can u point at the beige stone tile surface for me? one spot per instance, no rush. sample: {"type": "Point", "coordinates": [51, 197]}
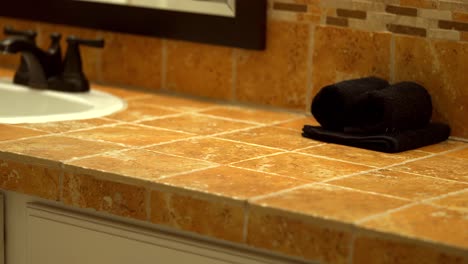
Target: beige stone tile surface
{"type": "Point", "coordinates": [458, 201]}
{"type": "Point", "coordinates": [444, 167]}
{"type": "Point", "coordinates": [362, 156]}
{"type": "Point", "coordinates": [232, 182]}
{"type": "Point", "coordinates": [380, 251]}
{"type": "Point", "coordinates": [85, 191]}
{"type": "Point", "coordinates": [213, 149]}
{"type": "Point", "coordinates": [425, 222]}
{"type": "Point", "coordinates": [9, 132]}
{"type": "Point", "coordinates": [32, 179]}
{"type": "Point", "coordinates": [57, 148]}
{"type": "Point", "coordinates": [130, 135]}
{"type": "Point", "coordinates": [463, 153]}
{"type": "Point", "coordinates": [140, 164]}
{"type": "Point", "coordinates": [216, 219]}
{"type": "Point", "coordinates": [302, 166]}
{"type": "Point", "coordinates": [331, 202]}
{"type": "Point", "coordinates": [66, 126]}
{"type": "Point", "coordinates": [199, 69]}
{"type": "Point", "coordinates": [443, 146]}
{"type": "Point", "coordinates": [137, 111]}
{"type": "Point", "coordinates": [298, 124]}
{"type": "Point", "coordinates": [256, 115]}
{"type": "Point", "coordinates": [284, 82]}
{"type": "Point", "coordinates": [197, 124]}
{"type": "Point", "coordinates": [298, 238]}
{"type": "Point", "coordinates": [400, 184]}
{"type": "Point", "coordinates": [177, 103]}
{"type": "Point", "coordinates": [272, 136]}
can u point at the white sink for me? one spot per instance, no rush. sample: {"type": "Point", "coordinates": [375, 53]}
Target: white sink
{"type": "Point", "coordinates": [19, 104]}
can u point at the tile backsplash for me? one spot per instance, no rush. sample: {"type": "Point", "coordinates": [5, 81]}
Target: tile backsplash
{"type": "Point", "coordinates": [310, 43]}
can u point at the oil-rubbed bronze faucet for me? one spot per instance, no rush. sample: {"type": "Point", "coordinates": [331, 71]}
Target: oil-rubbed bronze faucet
{"type": "Point", "coordinates": [45, 69]}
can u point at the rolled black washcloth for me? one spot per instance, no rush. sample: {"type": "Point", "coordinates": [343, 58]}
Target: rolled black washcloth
{"type": "Point", "coordinates": [332, 104]}
{"type": "Point", "coordinates": [399, 107]}
{"type": "Point", "coordinates": [386, 142]}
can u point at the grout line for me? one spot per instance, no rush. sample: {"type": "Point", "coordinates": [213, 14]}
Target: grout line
{"type": "Point", "coordinates": [214, 165]}
{"type": "Point", "coordinates": [459, 139]}
{"type": "Point", "coordinates": [310, 73]}
{"type": "Point", "coordinates": [245, 143]}
{"type": "Point", "coordinates": [245, 229]}
{"type": "Point", "coordinates": [388, 212]}
{"type": "Point", "coordinates": [429, 200]}
{"type": "Point", "coordinates": [68, 161]}
{"type": "Point", "coordinates": [364, 191]}
{"type": "Point", "coordinates": [227, 119]}
{"type": "Point", "coordinates": [331, 158]}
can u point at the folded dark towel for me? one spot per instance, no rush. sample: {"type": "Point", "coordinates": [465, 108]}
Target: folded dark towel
{"type": "Point", "coordinates": [332, 105]}
{"type": "Point", "coordinates": [402, 106]}
{"type": "Point", "coordinates": [385, 142]}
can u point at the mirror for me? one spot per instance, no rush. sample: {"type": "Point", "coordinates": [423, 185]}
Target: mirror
{"type": "Point", "coordinates": [235, 23]}
{"type": "Point", "coordinates": [211, 7]}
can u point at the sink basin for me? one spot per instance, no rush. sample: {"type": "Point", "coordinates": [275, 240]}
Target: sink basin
{"type": "Point", "coordinates": [19, 104]}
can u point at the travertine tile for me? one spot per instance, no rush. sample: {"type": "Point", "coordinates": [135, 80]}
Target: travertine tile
{"type": "Point", "coordinates": [298, 124]}
{"type": "Point", "coordinates": [84, 191]}
{"type": "Point", "coordinates": [444, 167]}
{"type": "Point", "coordinates": [400, 184]}
{"type": "Point", "coordinates": [250, 114]}
{"type": "Point", "coordinates": [443, 146]}
{"type": "Point", "coordinates": [130, 135]}
{"type": "Point", "coordinates": [437, 65]}
{"type": "Point", "coordinates": [213, 149]}
{"type": "Point", "coordinates": [457, 201]}
{"type": "Point", "coordinates": [284, 81]}
{"type": "Point", "coordinates": [8, 132]}
{"type": "Point", "coordinates": [363, 156]}
{"type": "Point", "coordinates": [425, 222]}
{"type": "Point", "coordinates": [197, 124]}
{"type": "Point", "coordinates": [302, 166]}
{"type": "Point", "coordinates": [199, 69]}
{"type": "Point", "coordinates": [66, 126]}
{"type": "Point", "coordinates": [216, 219]}
{"type": "Point", "coordinates": [331, 202]}
{"type": "Point", "coordinates": [176, 103]}
{"type": "Point", "coordinates": [381, 251]}
{"type": "Point", "coordinates": [232, 182]}
{"type": "Point", "coordinates": [345, 54]}
{"type": "Point", "coordinates": [299, 238]}
{"type": "Point", "coordinates": [138, 111]}
{"type": "Point", "coordinates": [132, 60]}
{"type": "Point", "coordinates": [139, 164]}
{"type": "Point", "coordinates": [463, 153]}
{"type": "Point", "coordinates": [272, 136]}
{"type": "Point", "coordinates": [32, 179]}
{"type": "Point", "coordinates": [57, 148]}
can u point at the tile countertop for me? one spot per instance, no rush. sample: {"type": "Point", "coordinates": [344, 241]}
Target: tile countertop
{"type": "Point", "coordinates": [246, 175]}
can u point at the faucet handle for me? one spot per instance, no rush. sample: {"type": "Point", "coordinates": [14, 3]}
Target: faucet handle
{"type": "Point", "coordinates": [29, 34]}
{"type": "Point", "coordinates": [97, 43]}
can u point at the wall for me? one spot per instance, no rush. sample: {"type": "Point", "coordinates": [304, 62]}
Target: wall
{"type": "Point", "coordinates": [311, 43]}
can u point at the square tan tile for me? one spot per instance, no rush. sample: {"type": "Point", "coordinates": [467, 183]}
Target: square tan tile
{"type": "Point", "coordinates": [9, 132]}
{"type": "Point", "coordinates": [213, 149]}
{"type": "Point", "coordinates": [250, 114]}
{"type": "Point", "coordinates": [197, 124]}
{"type": "Point", "coordinates": [443, 146]}
{"type": "Point", "coordinates": [115, 198]}
{"type": "Point", "coordinates": [130, 135]}
{"type": "Point", "coordinates": [272, 136]}
{"type": "Point", "coordinates": [302, 166]}
{"type": "Point", "coordinates": [66, 126]}
{"type": "Point", "coordinates": [362, 156]}
{"type": "Point", "coordinates": [296, 237]}
{"type": "Point", "coordinates": [32, 179]}
{"type": "Point", "coordinates": [331, 202]}
{"type": "Point", "coordinates": [199, 69]}
{"type": "Point", "coordinates": [444, 167]}
{"type": "Point", "coordinates": [298, 124]}
{"type": "Point", "coordinates": [139, 111]}
{"type": "Point", "coordinates": [139, 164]}
{"type": "Point", "coordinates": [232, 182]}
{"type": "Point", "coordinates": [458, 201]}
{"type": "Point", "coordinates": [216, 219]}
{"type": "Point", "coordinates": [425, 222]}
{"type": "Point", "coordinates": [382, 251]}
{"type": "Point", "coordinates": [176, 103]}
{"type": "Point", "coordinates": [463, 153]}
{"type": "Point", "coordinates": [400, 184]}
{"type": "Point", "coordinates": [57, 148]}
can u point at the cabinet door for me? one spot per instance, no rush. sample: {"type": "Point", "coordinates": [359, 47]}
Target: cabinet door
{"type": "Point", "coordinates": [58, 236]}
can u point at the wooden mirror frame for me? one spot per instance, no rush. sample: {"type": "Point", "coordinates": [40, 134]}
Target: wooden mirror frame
{"type": "Point", "coordinates": [246, 30]}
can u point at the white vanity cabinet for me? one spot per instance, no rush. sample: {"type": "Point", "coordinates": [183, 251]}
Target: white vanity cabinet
{"type": "Point", "coordinates": [38, 233]}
